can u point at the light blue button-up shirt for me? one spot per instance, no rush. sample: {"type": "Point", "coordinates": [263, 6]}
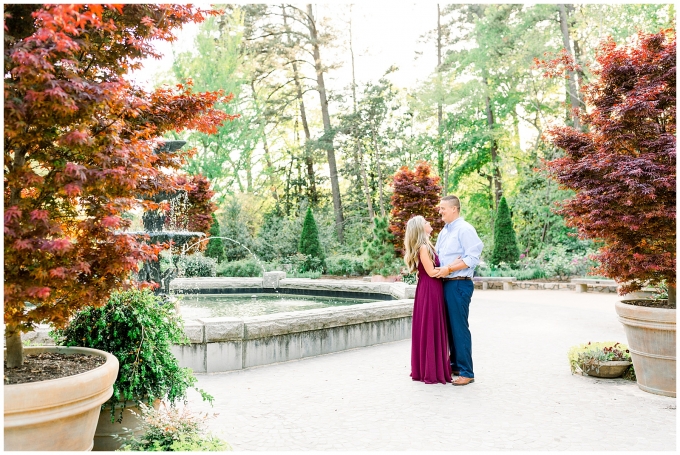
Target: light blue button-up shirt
{"type": "Point", "coordinates": [459, 239]}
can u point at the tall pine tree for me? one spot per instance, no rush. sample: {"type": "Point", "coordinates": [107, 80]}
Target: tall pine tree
{"type": "Point", "coordinates": [309, 238]}
{"type": "Point", "coordinates": [505, 243]}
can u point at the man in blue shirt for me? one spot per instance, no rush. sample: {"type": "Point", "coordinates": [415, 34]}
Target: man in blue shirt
{"type": "Point", "coordinates": [459, 248]}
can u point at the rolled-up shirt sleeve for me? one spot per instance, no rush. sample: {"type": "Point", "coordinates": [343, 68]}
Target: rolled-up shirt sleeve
{"type": "Point", "coordinates": [472, 246]}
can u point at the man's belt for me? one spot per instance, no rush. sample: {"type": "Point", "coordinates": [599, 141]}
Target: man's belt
{"type": "Point", "coordinates": [455, 278]}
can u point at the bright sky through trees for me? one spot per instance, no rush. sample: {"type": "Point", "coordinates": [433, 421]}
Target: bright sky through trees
{"type": "Point", "coordinates": [384, 34]}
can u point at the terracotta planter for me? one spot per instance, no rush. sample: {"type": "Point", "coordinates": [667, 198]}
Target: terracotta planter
{"type": "Point", "coordinates": [59, 414]}
{"type": "Point", "coordinates": [611, 369]}
{"type": "Point", "coordinates": [105, 436]}
{"type": "Point", "coordinates": [651, 341]}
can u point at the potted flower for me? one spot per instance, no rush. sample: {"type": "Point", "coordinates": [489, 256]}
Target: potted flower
{"type": "Point", "coordinates": [623, 170]}
{"type": "Point", "coordinates": [173, 430]}
{"type": "Point", "coordinates": [601, 360]}
{"type": "Point", "coordinates": [140, 329]}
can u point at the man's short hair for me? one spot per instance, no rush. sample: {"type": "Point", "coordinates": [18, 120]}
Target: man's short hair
{"type": "Point", "coordinates": [453, 200]}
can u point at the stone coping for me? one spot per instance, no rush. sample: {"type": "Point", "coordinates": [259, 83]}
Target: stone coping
{"type": "Point", "coordinates": [594, 281]}
{"type": "Point", "coordinates": [210, 330]}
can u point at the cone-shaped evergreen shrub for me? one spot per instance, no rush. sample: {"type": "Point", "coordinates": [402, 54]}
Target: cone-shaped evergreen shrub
{"type": "Point", "coordinates": [505, 243]}
{"type": "Point", "coordinates": [309, 238]}
{"type": "Point", "coordinates": [380, 255]}
{"type": "Point", "coordinates": [215, 247]}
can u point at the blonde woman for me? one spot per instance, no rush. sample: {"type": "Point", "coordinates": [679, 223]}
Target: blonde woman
{"type": "Point", "coordinates": [429, 342]}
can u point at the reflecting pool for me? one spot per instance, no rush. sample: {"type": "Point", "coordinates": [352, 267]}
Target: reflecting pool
{"type": "Point", "coordinates": [194, 306]}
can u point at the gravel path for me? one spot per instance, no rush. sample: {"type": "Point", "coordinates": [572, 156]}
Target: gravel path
{"type": "Point", "coordinates": [523, 398]}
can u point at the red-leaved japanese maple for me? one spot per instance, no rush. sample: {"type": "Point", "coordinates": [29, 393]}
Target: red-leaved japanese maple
{"type": "Point", "coordinates": [415, 193]}
{"type": "Point", "coordinates": [623, 166]}
{"type": "Point", "coordinates": [79, 152]}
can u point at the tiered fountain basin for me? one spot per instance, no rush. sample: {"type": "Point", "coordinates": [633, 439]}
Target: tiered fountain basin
{"type": "Point", "coordinates": [234, 343]}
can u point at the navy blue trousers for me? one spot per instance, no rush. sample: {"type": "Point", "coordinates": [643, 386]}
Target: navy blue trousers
{"type": "Point", "coordinates": [458, 294]}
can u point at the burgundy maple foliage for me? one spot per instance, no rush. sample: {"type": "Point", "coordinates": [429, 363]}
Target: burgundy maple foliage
{"type": "Point", "coordinates": [79, 151]}
{"type": "Point", "coordinates": [416, 192]}
{"type": "Point", "coordinates": [623, 166]}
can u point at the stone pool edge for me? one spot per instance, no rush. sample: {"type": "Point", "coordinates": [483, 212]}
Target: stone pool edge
{"type": "Point", "coordinates": [228, 344]}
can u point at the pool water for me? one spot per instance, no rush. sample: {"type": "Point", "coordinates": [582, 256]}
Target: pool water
{"type": "Point", "coordinates": [243, 305]}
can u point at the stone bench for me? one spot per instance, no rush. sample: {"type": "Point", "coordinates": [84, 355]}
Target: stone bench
{"type": "Point", "coordinates": [485, 280]}
{"type": "Point", "coordinates": [582, 283]}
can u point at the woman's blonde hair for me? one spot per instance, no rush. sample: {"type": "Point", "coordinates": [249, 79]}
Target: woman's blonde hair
{"type": "Point", "coordinates": [416, 237]}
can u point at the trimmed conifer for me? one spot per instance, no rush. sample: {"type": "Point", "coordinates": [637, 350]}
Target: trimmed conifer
{"type": "Point", "coordinates": [215, 247]}
{"type": "Point", "coordinates": [505, 243]}
{"type": "Point", "coordinates": [309, 244]}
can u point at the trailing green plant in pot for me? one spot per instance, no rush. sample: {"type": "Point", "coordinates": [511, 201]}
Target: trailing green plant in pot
{"type": "Point", "coordinates": [607, 359]}
{"type": "Point", "coordinates": [140, 329]}
{"type": "Point", "coordinates": [623, 170]}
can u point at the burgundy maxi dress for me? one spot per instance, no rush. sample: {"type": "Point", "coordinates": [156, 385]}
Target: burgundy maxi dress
{"type": "Point", "coordinates": [429, 341]}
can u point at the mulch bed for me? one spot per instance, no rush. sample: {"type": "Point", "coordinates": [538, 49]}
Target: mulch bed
{"type": "Point", "coordinates": [650, 303]}
{"type": "Point", "coordinates": [51, 365]}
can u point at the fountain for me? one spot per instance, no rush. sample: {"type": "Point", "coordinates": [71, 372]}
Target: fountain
{"type": "Point", "coordinates": [154, 224]}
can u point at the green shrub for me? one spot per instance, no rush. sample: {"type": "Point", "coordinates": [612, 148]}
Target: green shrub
{"type": "Point", "coordinates": [410, 278]}
{"type": "Point", "coordinates": [173, 430]}
{"type": "Point", "coordinates": [197, 265]}
{"type": "Point", "coordinates": [310, 274]}
{"type": "Point", "coordinates": [140, 329]}
{"type": "Point", "coordinates": [582, 355]}
{"type": "Point", "coordinates": [505, 242]}
{"type": "Point", "coordinates": [242, 268]}
{"type": "Point", "coordinates": [345, 265]}
{"type": "Point", "coordinates": [299, 263]}
{"type": "Point", "coordinates": [215, 248]}
{"type": "Point", "coordinates": [379, 252]}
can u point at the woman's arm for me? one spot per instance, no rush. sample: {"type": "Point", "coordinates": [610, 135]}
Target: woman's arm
{"type": "Point", "coordinates": [430, 269]}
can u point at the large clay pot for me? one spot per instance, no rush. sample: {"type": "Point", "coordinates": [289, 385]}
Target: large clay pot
{"type": "Point", "coordinates": [59, 414]}
{"type": "Point", "coordinates": [107, 431]}
{"type": "Point", "coordinates": [651, 341]}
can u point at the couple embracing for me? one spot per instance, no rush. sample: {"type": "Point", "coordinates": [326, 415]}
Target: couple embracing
{"type": "Point", "coordinates": [441, 344]}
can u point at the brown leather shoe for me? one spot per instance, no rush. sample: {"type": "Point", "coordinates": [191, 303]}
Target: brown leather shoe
{"type": "Point", "coordinates": [462, 380]}
{"type": "Point", "coordinates": [455, 373]}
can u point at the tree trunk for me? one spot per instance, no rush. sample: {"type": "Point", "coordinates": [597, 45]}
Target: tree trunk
{"type": "Point", "coordinates": [309, 159]}
{"type": "Point", "coordinates": [572, 91]}
{"type": "Point", "coordinates": [335, 185]}
{"type": "Point", "coordinates": [671, 295]}
{"type": "Point", "coordinates": [379, 168]}
{"type": "Point", "coordinates": [15, 349]}
{"type": "Point", "coordinates": [359, 156]}
{"type": "Point", "coordinates": [440, 148]}
{"type": "Point", "coordinates": [269, 169]}
{"type": "Point", "coordinates": [287, 203]}
{"type": "Point", "coordinates": [498, 190]}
